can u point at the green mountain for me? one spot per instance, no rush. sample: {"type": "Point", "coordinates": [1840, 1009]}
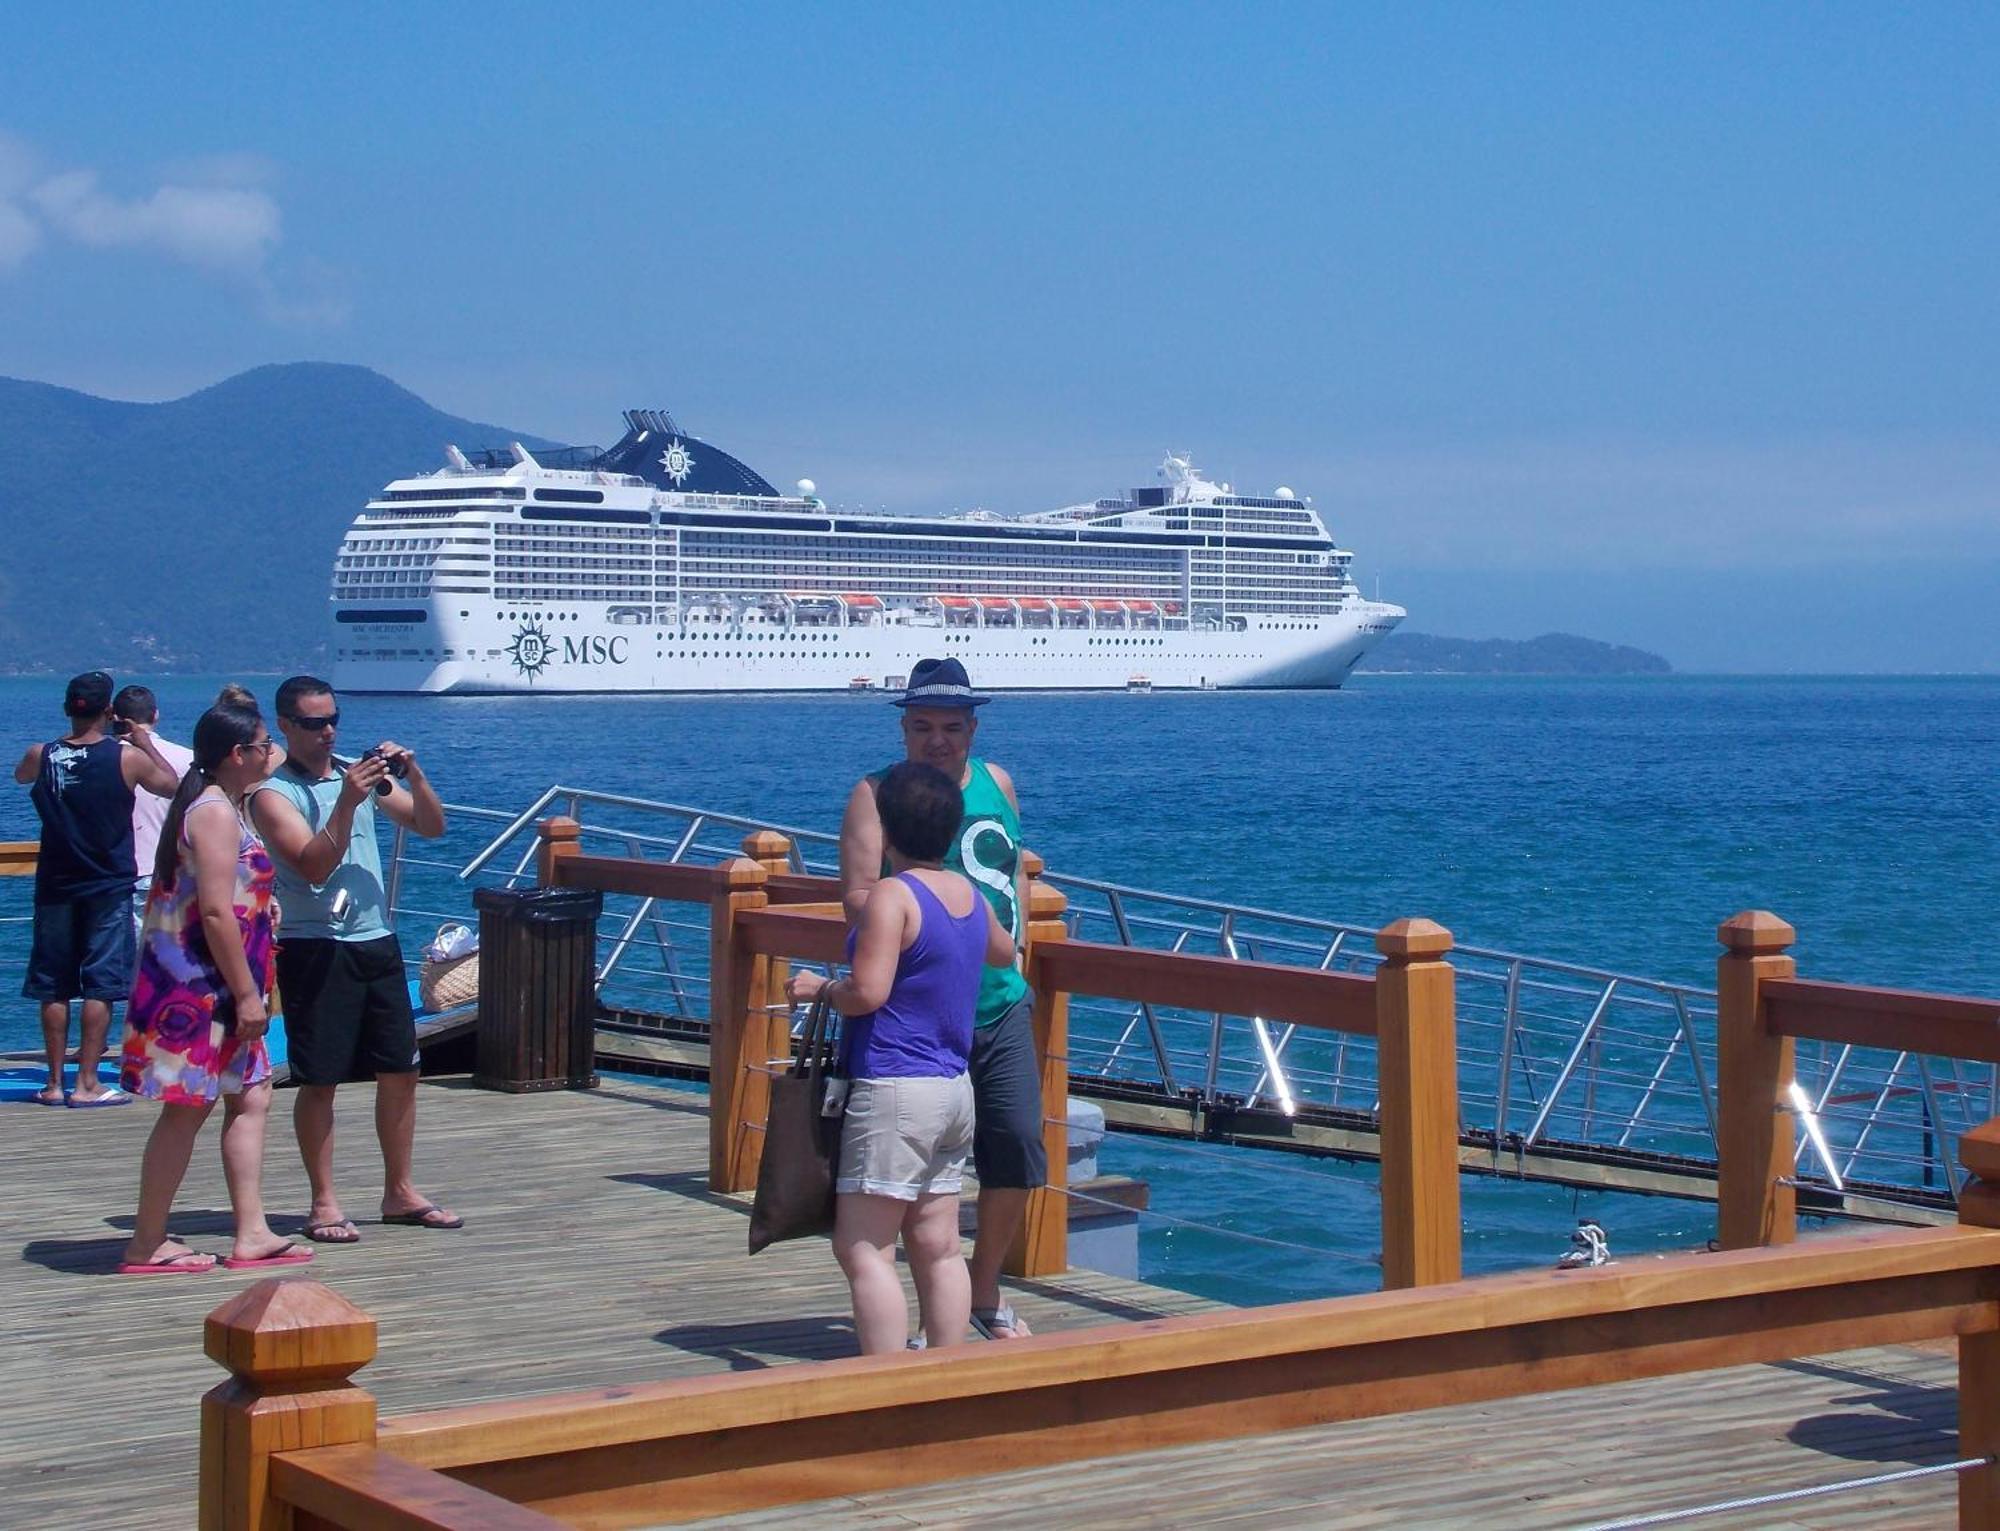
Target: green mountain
{"type": "Point", "coordinates": [1550, 654]}
{"type": "Point", "coordinates": [197, 534]}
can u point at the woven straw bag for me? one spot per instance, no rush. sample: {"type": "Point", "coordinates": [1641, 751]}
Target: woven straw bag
{"type": "Point", "coordinates": [450, 983]}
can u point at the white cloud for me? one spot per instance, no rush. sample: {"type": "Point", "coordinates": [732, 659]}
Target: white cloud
{"type": "Point", "coordinates": [224, 228]}
{"type": "Point", "coordinates": [19, 234]}
{"type": "Point", "coordinates": [214, 214]}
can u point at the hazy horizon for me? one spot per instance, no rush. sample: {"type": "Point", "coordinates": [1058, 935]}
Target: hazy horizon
{"type": "Point", "coordinates": [1671, 328]}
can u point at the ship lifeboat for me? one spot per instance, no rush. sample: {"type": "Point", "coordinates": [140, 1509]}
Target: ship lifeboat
{"type": "Point", "coordinates": [1138, 685]}
{"type": "Point", "coordinates": [861, 684]}
{"type": "Point", "coordinates": [1036, 611]}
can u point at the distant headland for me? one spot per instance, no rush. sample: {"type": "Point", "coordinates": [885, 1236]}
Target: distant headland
{"type": "Point", "coordinates": [1550, 654]}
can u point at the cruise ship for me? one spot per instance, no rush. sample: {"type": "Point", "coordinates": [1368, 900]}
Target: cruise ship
{"type": "Point", "coordinates": [665, 564]}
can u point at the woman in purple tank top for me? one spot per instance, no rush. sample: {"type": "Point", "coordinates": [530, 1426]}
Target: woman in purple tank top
{"type": "Point", "coordinates": [916, 955]}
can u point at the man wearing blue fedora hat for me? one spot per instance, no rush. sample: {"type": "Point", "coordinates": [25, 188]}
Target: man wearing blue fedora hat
{"type": "Point", "coordinates": [940, 718]}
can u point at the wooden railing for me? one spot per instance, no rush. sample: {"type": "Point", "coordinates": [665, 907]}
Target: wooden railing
{"type": "Point", "coordinates": [289, 1432]}
{"type": "Point", "coordinates": [1762, 1008]}
{"type": "Point", "coordinates": [290, 1440]}
{"type": "Point", "coordinates": [17, 857]}
{"type": "Point", "coordinates": [763, 917]}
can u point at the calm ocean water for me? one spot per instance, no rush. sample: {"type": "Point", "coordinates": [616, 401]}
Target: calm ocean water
{"type": "Point", "coordinates": [1611, 822]}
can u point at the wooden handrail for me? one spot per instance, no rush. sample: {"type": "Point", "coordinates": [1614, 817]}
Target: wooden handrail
{"type": "Point", "coordinates": [1962, 1261]}
{"type": "Point", "coordinates": [363, 1486]}
{"type": "Point", "coordinates": [648, 1453]}
{"type": "Point", "coordinates": [1304, 996]}
{"type": "Point", "coordinates": [1903, 1020]}
{"type": "Point", "coordinates": [673, 881]}
{"type": "Point", "coordinates": [1407, 1005]}
{"type": "Point", "coordinates": [1762, 1006]}
{"type": "Point", "coordinates": [803, 888]}
{"type": "Point", "coordinates": [18, 857]}
{"type": "Point", "coordinates": [805, 933]}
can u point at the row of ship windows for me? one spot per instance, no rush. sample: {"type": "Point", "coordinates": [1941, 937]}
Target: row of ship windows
{"type": "Point", "coordinates": [398, 544]}
{"type": "Point", "coordinates": [565, 545]}
{"type": "Point", "coordinates": [714, 653]}
{"type": "Point", "coordinates": [1275, 600]}
{"type": "Point", "coordinates": [850, 570]}
{"type": "Point", "coordinates": [568, 534]}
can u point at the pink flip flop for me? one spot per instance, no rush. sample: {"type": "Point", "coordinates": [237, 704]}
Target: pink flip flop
{"type": "Point", "coordinates": [188, 1262]}
{"type": "Point", "coordinates": [291, 1254]}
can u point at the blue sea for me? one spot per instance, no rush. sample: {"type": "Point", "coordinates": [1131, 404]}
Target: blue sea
{"type": "Point", "coordinates": [1612, 822]}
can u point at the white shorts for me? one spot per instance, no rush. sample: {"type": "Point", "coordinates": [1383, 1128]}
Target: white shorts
{"type": "Point", "coordinates": [905, 1138]}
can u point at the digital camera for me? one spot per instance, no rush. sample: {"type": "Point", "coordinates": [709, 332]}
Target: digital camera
{"type": "Point", "coordinates": [399, 765]}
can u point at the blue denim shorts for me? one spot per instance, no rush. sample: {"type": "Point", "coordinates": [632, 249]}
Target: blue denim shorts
{"type": "Point", "coordinates": [82, 949]}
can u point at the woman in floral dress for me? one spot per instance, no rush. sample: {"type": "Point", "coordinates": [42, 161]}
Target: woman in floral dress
{"type": "Point", "coordinates": [195, 1026]}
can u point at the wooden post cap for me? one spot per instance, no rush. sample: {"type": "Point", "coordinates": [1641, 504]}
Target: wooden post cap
{"type": "Point", "coordinates": [1046, 903]}
{"type": "Point", "coordinates": [1032, 864]}
{"type": "Point", "coordinates": [289, 1331]}
{"type": "Point", "coordinates": [561, 827]}
{"type": "Point", "coordinates": [766, 845]}
{"type": "Point", "coordinates": [1413, 938]}
{"type": "Point", "coordinates": [1979, 1151]}
{"type": "Point", "coordinates": [1755, 932]}
{"type": "Point", "coordinates": [743, 874]}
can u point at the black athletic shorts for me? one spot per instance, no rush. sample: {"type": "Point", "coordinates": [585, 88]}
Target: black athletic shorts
{"type": "Point", "coordinates": [1007, 1149]}
{"type": "Point", "coordinates": [347, 1009]}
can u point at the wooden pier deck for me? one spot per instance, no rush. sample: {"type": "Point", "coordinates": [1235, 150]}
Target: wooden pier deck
{"type": "Point", "coordinates": [595, 1255]}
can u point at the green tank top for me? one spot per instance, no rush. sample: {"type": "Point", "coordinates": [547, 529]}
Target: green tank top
{"type": "Point", "coordinates": [988, 851]}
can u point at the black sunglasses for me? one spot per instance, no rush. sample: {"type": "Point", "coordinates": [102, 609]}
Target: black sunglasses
{"type": "Point", "coordinates": [330, 720]}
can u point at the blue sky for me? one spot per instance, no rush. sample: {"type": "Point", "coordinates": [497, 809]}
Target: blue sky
{"type": "Point", "coordinates": [1672, 325]}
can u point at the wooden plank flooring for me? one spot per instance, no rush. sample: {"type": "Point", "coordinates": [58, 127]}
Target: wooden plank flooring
{"type": "Point", "coordinates": [593, 1255]}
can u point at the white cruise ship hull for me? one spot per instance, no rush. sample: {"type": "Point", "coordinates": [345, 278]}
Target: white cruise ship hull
{"type": "Point", "coordinates": [573, 652]}
{"type": "Point", "coordinates": [667, 565]}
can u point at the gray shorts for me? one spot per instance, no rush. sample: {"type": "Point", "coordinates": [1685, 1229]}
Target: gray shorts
{"type": "Point", "coordinates": [905, 1138]}
{"type": "Point", "coordinates": [1007, 1148]}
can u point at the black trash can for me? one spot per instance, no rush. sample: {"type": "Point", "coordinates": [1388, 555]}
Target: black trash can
{"type": "Point", "coordinates": [537, 988]}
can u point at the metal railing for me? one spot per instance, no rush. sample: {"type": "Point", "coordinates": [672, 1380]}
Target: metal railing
{"type": "Point", "coordinates": [1558, 1061]}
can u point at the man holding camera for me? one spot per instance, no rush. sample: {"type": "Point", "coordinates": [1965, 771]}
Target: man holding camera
{"type": "Point", "coordinates": [340, 968]}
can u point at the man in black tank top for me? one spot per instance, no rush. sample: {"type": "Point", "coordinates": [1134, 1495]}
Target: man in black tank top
{"type": "Point", "coordinates": [82, 786]}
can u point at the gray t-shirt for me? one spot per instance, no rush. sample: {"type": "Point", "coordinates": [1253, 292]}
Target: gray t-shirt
{"type": "Point", "coordinates": [307, 914]}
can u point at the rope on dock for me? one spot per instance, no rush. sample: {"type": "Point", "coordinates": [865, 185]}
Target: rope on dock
{"type": "Point", "coordinates": [1665, 1517]}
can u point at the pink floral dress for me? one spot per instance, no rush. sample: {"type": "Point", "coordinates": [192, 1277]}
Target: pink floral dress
{"type": "Point", "coordinates": [181, 1046]}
